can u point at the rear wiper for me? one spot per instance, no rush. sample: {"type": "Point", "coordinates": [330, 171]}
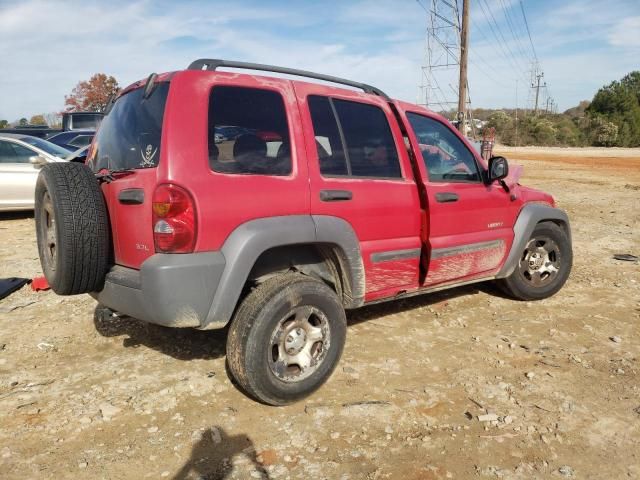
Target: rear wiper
{"type": "Point", "coordinates": [107, 176]}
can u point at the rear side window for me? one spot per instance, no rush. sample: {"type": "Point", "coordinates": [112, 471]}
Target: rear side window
{"type": "Point", "coordinates": [81, 141]}
{"type": "Point", "coordinates": [353, 139]}
{"type": "Point", "coordinates": [13, 153]}
{"type": "Point", "coordinates": [248, 132]}
{"type": "Point", "coordinates": [129, 136]}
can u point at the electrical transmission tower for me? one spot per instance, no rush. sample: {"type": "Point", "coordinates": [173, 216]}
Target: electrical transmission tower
{"type": "Point", "coordinates": [438, 88]}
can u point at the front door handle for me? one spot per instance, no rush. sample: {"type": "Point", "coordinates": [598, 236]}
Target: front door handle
{"type": "Point", "coordinates": [446, 197]}
{"type": "Point", "coordinates": [335, 195]}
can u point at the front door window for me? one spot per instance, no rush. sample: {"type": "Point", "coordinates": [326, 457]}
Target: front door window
{"type": "Point", "coordinates": [446, 158]}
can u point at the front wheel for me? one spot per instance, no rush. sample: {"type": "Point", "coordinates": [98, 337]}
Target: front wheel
{"type": "Point", "coordinates": [286, 338]}
{"type": "Point", "coordinates": [543, 266]}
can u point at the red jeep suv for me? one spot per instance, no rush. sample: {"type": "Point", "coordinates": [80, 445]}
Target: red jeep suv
{"type": "Point", "coordinates": [272, 205]}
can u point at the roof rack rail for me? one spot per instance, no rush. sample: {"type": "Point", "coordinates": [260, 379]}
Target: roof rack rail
{"type": "Point", "coordinates": [213, 64]}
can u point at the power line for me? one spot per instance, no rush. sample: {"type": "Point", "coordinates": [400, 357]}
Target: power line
{"type": "Point", "coordinates": [524, 15]}
{"type": "Point", "coordinates": [495, 22]}
{"type": "Point", "coordinates": [512, 27]}
{"type": "Point", "coordinates": [481, 69]}
{"type": "Point", "coordinates": [521, 75]}
{"type": "Point", "coordinates": [508, 57]}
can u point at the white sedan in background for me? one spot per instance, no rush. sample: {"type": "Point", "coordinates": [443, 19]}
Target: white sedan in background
{"type": "Point", "coordinates": [21, 158]}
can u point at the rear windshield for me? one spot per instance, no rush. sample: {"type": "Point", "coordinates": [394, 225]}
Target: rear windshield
{"type": "Point", "coordinates": [129, 137]}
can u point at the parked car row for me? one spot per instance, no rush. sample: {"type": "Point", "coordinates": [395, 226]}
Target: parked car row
{"type": "Point", "coordinates": [21, 158]}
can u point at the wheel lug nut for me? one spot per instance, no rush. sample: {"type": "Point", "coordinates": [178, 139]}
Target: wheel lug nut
{"type": "Point", "coordinates": [299, 331]}
{"type": "Point", "coordinates": [289, 338]}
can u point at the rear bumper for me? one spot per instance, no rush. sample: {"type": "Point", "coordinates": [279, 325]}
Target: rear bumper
{"type": "Point", "coordinates": [174, 290]}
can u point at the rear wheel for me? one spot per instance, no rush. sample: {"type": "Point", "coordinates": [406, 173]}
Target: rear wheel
{"type": "Point", "coordinates": [286, 338]}
{"type": "Point", "coordinates": [72, 228]}
{"type": "Point", "coordinates": [544, 265]}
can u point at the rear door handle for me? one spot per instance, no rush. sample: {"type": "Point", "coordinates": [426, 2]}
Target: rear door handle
{"type": "Point", "coordinates": [446, 197]}
{"type": "Point", "coordinates": [335, 195]}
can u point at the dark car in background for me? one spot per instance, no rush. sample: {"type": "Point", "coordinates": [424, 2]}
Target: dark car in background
{"type": "Point", "coordinates": [73, 139]}
{"type": "Point", "coordinates": [70, 121]}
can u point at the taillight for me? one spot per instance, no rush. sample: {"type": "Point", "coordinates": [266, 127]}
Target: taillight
{"type": "Point", "coordinates": [174, 220]}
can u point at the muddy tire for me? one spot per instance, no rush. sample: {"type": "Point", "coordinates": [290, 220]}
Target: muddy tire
{"type": "Point", "coordinates": [72, 228]}
{"type": "Point", "coordinates": [286, 338]}
{"type": "Point", "coordinates": [543, 266]}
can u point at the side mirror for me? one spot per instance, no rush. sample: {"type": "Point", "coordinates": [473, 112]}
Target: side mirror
{"type": "Point", "coordinates": [498, 169]}
{"type": "Point", "coordinates": [37, 161]}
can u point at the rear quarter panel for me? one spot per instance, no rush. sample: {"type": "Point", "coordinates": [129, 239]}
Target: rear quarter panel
{"type": "Point", "coordinates": [225, 201]}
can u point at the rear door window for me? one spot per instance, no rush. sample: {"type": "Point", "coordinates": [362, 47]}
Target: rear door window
{"type": "Point", "coordinates": [353, 139]}
{"type": "Point", "coordinates": [248, 132]}
{"type": "Point", "coordinates": [129, 136]}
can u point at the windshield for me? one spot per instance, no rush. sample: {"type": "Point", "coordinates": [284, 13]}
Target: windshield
{"type": "Point", "coordinates": [129, 136]}
{"type": "Point", "coordinates": [50, 148]}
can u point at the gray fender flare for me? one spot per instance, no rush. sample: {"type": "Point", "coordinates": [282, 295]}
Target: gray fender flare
{"type": "Point", "coordinates": [339, 233]}
{"type": "Point", "coordinates": [530, 215]}
{"type": "Point", "coordinates": [248, 241]}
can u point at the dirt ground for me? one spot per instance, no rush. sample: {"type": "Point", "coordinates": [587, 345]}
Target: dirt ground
{"type": "Point", "coordinates": [122, 399]}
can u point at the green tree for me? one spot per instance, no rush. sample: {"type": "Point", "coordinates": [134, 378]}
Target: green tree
{"type": "Point", "coordinates": [618, 103]}
{"type": "Point", "coordinates": [22, 122]}
{"type": "Point", "coordinates": [499, 120]}
{"type": "Point", "coordinates": [4, 123]}
{"type": "Point", "coordinates": [604, 133]}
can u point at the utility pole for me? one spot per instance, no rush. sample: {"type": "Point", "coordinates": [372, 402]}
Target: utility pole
{"type": "Point", "coordinates": [537, 87]}
{"type": "Point", "coordinates": [462, 85]}
{"type": "Point", "coordinates": [516, 112]}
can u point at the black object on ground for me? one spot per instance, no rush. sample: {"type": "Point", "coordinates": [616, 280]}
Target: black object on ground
{"type": "Point", "coordinates": [627, 257]}
{"type": "Point", "coordinates": [10, 285]}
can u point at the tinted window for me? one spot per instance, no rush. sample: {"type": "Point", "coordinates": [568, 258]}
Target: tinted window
{"type": "Point", "coordinates": [248, 132]}
{"type": "Point", "coordinates": [81, 141]}
{"type": "Point", "coordinates": [446, 158]}
{"type": "Point", "coordinates": [129, 137]}
{"type": "Point", "coordinates": [50, 148]}
{"type": "Point", "coordinates": [366, 147]}
{"type": "Point", "coordinates": [328, 143]}
{"type": "Point", "coordinates": [13, 153]}
{"type": "Point", "coordinates": [61, 137]}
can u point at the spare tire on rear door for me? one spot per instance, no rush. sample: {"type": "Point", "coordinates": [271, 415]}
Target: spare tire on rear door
{"type": "Point", "coordinates": [72, 228]}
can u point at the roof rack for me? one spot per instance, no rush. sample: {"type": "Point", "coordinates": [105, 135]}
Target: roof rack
{"type": "Point", "coordinates": [213, 64]}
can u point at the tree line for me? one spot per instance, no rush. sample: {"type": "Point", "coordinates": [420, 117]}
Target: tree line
{"type": "Point", "coordinates": [610, 119]}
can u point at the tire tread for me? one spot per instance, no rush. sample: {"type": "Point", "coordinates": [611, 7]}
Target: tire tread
{"type": "Point", "coordinates": [83, 239]}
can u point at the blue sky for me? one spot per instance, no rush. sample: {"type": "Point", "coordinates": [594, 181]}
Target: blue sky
{"type": "Point", "coordinates": [46, 47]}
